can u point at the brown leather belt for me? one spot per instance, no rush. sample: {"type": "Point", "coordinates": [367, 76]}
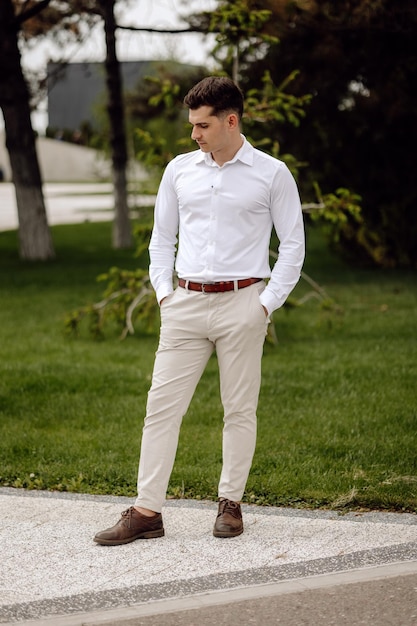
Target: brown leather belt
{"type": "Point", "coordinates": [224, 285]}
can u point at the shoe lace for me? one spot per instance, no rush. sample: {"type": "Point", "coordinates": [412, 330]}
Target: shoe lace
{"type": "Point", "coordinates": [228, 506]}
{"type": "Point", "coordinates": [127, 515]}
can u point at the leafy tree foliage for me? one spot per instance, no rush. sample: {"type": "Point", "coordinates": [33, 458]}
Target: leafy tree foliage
{"type": "Point", "coordinates": [155, 114]}
{"type": "Point", "coordinates": [358, 58]}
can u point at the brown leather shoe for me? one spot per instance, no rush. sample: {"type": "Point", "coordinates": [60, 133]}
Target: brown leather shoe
{"type": "Point", "coordinates": [229, 520]}
{"type": "Point", "coordinates": [132, 525]}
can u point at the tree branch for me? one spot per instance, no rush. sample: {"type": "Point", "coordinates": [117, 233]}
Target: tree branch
{"type": "Point", "coordinates": [31, 12]}
{"type": "Point", "coordinates": [170, 31]}
{"type": "Point", "coordinates": [144, 292]}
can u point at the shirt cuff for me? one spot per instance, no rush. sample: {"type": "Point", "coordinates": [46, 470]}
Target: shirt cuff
{"type": "Point", "coordinates": [268, 300]}
{"type": "Point", "coordinates": [163, 291]}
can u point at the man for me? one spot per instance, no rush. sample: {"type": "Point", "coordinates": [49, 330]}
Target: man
{"type": "Point", "coordinates": [219, 203]}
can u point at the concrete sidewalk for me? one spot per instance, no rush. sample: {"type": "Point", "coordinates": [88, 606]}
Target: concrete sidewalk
{"type": "Point", "coordinates": [51, 571]}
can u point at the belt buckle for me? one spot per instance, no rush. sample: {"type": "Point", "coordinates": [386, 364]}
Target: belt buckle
{"type": "Point", "coordinates": [204, 286]}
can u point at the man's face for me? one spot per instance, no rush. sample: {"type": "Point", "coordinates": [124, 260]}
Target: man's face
{"type": "Point", "coordinates": [210, 132]}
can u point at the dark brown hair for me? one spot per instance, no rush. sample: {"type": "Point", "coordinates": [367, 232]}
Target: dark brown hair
{"type": "Point", "coordinates": [218, 92]}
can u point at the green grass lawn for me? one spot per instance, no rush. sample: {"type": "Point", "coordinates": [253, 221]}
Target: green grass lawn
{"type": "Point", "coordinates": [337, 413]}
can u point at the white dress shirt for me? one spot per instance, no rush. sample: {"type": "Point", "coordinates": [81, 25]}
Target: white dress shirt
{"type": "Point", "coordinates": [222, 219]}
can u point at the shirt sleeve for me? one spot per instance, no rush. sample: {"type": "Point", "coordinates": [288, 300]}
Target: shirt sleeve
{"type": "Point", "coordinates": [162, 247]}
{"type": "Point", "coordinates": [288, 222]}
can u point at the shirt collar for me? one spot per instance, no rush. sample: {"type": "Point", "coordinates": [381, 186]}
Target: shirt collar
{"type": "Point", "coordinates": [244, 154]}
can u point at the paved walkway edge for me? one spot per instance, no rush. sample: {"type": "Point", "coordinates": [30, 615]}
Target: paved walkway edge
{"type": "Point", "coordinates": [124, 615]}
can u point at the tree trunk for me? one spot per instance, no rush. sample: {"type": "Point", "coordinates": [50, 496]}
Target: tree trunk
{"type": "Point", "coordinates": [34, 235]}
{"type": "Point", "coordinates": [122, 231]}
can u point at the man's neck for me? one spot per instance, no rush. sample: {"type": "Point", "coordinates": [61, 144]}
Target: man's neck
{"type": "Point", "coordinates": [221, 157]}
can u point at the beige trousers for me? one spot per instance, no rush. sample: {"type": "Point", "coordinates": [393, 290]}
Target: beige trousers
{"type": "Point", "coordinates": [193, 324]}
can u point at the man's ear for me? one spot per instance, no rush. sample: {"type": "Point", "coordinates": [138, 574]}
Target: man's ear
{"type": "Point", "coordinates": [232, 120]}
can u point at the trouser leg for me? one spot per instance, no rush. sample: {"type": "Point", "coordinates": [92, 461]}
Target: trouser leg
{"type": "Point", "coordinates": [180, 361]}
{"type": "Point", "coordinates": [239, 349]}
